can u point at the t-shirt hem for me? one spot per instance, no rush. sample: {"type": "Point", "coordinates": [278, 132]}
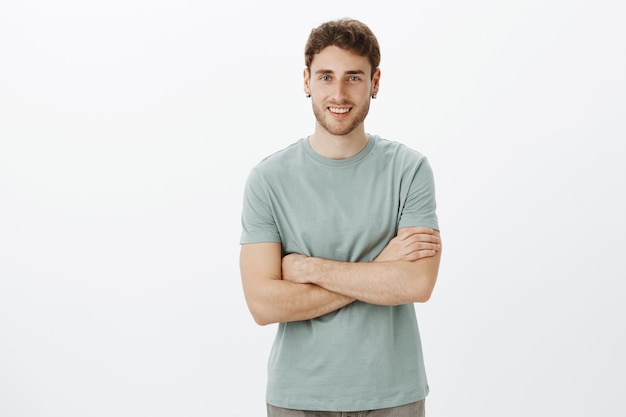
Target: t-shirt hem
{"type": "Point", "coordinates": [344, 406]}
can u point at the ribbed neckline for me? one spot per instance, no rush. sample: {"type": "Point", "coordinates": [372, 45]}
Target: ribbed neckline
{"type": "Point", "coordinates": [339, 162]}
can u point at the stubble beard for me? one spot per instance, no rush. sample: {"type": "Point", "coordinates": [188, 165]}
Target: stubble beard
{"type": "Point", "coordinates": [341, 130]}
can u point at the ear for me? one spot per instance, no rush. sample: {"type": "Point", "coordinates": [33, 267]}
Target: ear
{"type": "Point", "coordinates": [307, 79]}
{"type": "Point", "coordinates": [375, 82]}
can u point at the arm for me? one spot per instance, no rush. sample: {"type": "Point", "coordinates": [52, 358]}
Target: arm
{"type": "Point", "coordinates": [411, 244]}
{"type": "Point", "coordinates": [404, 272]}
{"type": "Point", "coordinates": [272, 299]}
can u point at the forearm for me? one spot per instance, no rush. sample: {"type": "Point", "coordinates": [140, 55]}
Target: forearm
{"type": "Point", "coordinates": [283, 301]}
{"type": "Point", "coordinates": [382, 283]}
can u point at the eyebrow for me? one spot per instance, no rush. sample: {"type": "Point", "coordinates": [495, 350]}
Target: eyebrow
{"type": "Point", "coordinates": [351, 72]}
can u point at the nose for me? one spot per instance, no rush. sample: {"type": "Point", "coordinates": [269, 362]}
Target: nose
{"type": "Point", "coordinates": [339, 90]}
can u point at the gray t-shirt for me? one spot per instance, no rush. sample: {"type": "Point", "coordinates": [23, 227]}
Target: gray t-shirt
{"type": "Point", "coordinates": [362, 356]}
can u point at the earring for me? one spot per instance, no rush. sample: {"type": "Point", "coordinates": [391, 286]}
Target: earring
{"type": "Point", "coordinates": [373, 95]}
{"type": "Point", "coordinates": [308, 95]}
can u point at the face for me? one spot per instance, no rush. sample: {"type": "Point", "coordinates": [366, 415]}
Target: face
{"type": "Point", "coordinates": [340, 85]}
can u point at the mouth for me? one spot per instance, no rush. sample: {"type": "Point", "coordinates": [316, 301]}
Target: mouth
{"type": "Point", "coordinates": [339, 111]}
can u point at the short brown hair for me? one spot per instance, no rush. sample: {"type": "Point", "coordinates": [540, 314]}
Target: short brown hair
{"type": "Point", "coordinates": [349, 34]}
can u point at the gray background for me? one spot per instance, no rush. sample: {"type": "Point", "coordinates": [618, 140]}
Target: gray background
{"type": "Point", "coordinates": [127, 129]}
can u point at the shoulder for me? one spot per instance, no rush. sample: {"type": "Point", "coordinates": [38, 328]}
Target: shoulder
{"type": "Point", "coordinates": [398, 151]}
{"type": "Point", "coordinates": [279, 161]}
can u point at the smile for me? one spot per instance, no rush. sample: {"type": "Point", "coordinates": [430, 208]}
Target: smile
{"type": "Point", "coordinates": [339, 110]}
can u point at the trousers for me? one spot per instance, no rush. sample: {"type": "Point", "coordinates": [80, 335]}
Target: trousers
{"type": "Point", "coordinates": [415, 409]}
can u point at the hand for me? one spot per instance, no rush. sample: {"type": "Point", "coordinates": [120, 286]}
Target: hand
{"type": "Point", "coordinates": [294, 268]}
{"type": "Point", "coordinates": [411, 244]}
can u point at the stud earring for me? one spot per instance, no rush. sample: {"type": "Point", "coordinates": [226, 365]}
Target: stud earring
{"type": "Point", "coordinates": [373, 95]}
{"type": "Point", "coordinates": [308, 95]}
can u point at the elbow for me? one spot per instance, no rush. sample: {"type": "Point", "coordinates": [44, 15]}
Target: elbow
{"type": "Point", "coordinates": [261, 320]}
{"type": "Point", "coordinates": [424, 291]}
{"type": "Point", "coordinates": [259, 310]}
{"type": "Point", "coordinates": [415, 295]}
{"type": "Point", "coordinates": [259, 315]}
{"type": "Point", "coordinates": [423, 296]}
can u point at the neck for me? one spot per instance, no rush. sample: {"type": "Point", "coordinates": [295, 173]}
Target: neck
{"type": "Point", "coordinates": [338, 147]}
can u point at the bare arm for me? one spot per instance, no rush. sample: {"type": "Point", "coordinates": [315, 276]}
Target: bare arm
{"type": "Point", "coordinates": [411, 244]}
{"type": "Point", "coordinates": [405, 272]}
{"type": "Point", "coordinates": [272, 299]}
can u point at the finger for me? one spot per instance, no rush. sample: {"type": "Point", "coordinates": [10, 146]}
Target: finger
{"type": "Point", "coordinates": [419, 245]}
{"type": "Point", "coordinates": [422, 238]}
{"type": "Point", "coordinates": [408, 231]}
{"type": "Point", "coordinates": [420, 254]}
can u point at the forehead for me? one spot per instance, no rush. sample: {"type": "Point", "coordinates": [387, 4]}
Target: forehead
{"type": "Point", "coordinates": [338, 60]}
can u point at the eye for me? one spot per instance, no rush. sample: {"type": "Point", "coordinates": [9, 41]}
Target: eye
{"type": "Point", "coordinates": [353, 78]}
{"type": "Point", "coordinates": [325, 78]}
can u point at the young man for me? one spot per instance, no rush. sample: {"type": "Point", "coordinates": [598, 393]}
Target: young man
{"type": "Point", "coordinates": [340, 238]}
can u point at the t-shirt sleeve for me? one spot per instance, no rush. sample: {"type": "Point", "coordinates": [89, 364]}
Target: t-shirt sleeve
{"type": "Point", "coordinates": [420, 207]}
{"type": "Point", "coordinates": [257, 219]}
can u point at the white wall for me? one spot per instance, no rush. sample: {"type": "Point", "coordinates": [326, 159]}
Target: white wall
{"type": "Point", "coordinates": [127, 129]}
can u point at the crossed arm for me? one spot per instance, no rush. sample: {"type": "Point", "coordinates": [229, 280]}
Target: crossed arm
{"type": "Point", "coordinates": [298, 287]}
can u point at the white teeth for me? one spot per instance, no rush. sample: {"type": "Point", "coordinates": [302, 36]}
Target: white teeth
{"type": "Point", "coordinates": [336, 110]}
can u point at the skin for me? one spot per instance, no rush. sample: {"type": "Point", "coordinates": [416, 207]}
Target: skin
{"type": "Point", "coordinates": [297, 287]}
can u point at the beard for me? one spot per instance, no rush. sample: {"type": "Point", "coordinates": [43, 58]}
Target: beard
{"type": "Point", "coordinates": [344, 126]}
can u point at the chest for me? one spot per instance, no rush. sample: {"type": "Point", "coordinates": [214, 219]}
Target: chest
{"type": "Point", "coordinates": [345, 216]}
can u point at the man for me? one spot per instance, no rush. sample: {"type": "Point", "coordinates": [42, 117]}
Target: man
{"type": "Point", "coordinates": [340, 238]}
